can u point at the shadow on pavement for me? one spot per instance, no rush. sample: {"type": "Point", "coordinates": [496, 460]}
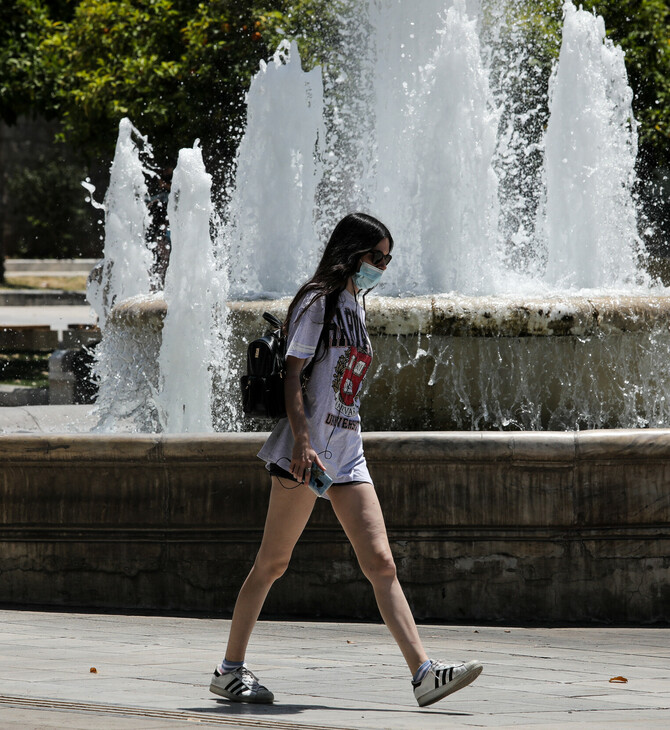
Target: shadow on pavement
{"type": "Point", "coordinates": [241, 708]}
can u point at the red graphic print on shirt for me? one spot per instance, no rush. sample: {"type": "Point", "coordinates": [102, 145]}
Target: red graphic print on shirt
{"type": "Point", "coordinates": [349, 374]}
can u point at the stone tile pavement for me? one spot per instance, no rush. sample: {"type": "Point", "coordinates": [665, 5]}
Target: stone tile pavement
{"type": "Point", "coordinates": [153, 672]}
{"type": "Point", "coordinates": [56, 317]}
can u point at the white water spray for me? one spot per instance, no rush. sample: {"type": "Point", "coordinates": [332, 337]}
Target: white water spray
{"type": "Point", "coordinates": [124, 367]}
{"type": "Point", "coordinates": [428, 125]}
{"type": "Point", "coordinates": [590, 148]}
{"type": "Point", "coordinates": [126, 266]}
{"type": "Point", "coordinates": [455, 198]}
{"type": "Point", "coordinates": [271, 217]}
{"type": "Point", "coordinates": [185, 397]}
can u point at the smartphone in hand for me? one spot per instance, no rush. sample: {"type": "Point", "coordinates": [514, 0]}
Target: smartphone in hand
{"type": "Point", "coordinates": [319, 481]}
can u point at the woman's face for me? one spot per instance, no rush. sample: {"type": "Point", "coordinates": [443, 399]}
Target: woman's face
{"type": "Point", "coordinates": [378, 259]}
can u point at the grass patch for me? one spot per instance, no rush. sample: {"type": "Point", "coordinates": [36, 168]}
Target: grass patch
{"type": "Point", "coordinates": [63, 283]}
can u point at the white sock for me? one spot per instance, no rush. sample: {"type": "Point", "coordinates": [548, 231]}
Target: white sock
{"type": "Point", "coordinates": [227, 666]}
{"type": "Point", "coordinates": [421, 671]}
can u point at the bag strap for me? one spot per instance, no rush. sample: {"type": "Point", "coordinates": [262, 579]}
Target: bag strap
{"type": "Point", "coordinates": [307, 371]}
{"type": "Point", "coordinates": [272, 320]}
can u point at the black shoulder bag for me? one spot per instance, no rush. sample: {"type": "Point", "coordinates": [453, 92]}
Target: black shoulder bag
{"type": "Point", "coordinates": [263, 384]}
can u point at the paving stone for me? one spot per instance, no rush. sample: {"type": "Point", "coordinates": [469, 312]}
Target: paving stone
{"type": "Point", "coordinates": [156, 671]}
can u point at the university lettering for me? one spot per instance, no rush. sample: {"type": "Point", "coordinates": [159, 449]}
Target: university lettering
{"type": "Point", "coordinates": [341, 422]}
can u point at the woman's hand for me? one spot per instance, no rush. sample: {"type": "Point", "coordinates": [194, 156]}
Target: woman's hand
{"type": "Point", "coordinates": [302, 458]}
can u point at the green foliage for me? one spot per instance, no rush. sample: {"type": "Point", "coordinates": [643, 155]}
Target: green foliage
{"type": "Point", "coordinates": [48, 207]}
{"type": "Point", "coordinates": [23, 24]}
{"type": "Point", "coordinates": [642, 29]}
{"type": "Point", "coordinates": [177, 68]}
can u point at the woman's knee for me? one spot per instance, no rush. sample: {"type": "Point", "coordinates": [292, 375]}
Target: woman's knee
{"type": "Point", "coordinates": [379, 567]}
{"type": "Point", "coordinates": [271, 567]}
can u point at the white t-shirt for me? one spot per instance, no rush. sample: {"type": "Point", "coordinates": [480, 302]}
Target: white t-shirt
{"type": "Point", "coordinates": [332, 392]}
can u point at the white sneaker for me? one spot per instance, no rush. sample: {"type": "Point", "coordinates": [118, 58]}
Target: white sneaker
{"type": "Point", "coordinates": [240, 685]}
{"type": "Point", "coordinates": [443, 679]}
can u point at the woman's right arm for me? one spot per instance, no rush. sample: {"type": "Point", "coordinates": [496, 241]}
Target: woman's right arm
{"type": "Point", "coordinates": [303, 454]}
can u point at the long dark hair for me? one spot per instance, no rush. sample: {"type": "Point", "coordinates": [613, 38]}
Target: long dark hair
{"type": "Point", "coordinates": [354, 236]}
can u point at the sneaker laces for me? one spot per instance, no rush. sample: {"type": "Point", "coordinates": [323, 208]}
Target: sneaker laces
{"type": "Point", "coordinates": [444, 665]}
{"type": "Point", "coordinates": [248, 677]}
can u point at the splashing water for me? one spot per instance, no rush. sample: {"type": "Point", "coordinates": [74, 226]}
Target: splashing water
{"type": "Point", "coordinates": [124, 365]}
{"type": "Point", "coordinates": [429, 149]}
{"type": "Point", "coordinates": [127, 258]}
{"type": "Point", "coordinates": [271, 219]}
{"type": "Point", "coordinates": [185, 395]}
{"type": "Point", "coordinates": [421, 130]}
{"type": "Point", "coordinates": [453, 193]}
{"type": "Point", "coordinates": [590, 221]}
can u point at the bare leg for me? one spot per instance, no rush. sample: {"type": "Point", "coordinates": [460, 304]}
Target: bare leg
{"type": "Point", "coordinates": [288, 512]}
{"type": "Point", "coordinates": [358, 510]}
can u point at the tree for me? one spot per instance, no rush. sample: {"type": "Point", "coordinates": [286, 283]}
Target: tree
{"type": "Point", "coordinates": [22, 28]}
{"type": "Point", "coordinates": [177, 68]}
{"type": "Point", "coordinates": [64, 226]}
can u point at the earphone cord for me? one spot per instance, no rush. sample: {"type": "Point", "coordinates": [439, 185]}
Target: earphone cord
{"type": "Point", "coordinates": [326, 453]}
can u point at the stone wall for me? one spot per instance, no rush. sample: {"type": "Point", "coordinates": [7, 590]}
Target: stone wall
{"type": "Point", "coordinates": [524, 527]}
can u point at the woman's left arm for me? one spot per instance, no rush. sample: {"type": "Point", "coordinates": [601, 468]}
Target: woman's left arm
{"type": "Point", "coordinates": [303, 455]}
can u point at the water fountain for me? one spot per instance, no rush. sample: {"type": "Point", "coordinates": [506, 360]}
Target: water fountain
{"type": "Point", "coordinates": [474, 327]}
{"type": "Point", "coordinates": [481, 323]}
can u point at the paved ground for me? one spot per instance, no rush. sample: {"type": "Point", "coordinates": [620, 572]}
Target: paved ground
{"type": "Point", "coordinates": [45, 420]}
{"type": "Point", "coordinates": [56, 317]}
{"type": "Point", "coordinates": [49, 267]}
{"type": "Point", "coordinates": [153, 672]}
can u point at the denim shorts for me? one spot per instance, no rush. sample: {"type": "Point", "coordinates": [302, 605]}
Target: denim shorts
{"type": "Point", "coordinates": [276, 471]}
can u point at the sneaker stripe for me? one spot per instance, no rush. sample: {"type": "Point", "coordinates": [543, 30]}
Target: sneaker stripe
{"type": "Point", "coordinates": [235, 686]}
{"type": "Point", "coordinates": [451, 673]}
{"type": "Point", "coordinates": [240, 685]}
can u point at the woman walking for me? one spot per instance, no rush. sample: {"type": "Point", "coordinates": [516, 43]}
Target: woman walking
{"type": "Point", "coordinates": [326, 333]}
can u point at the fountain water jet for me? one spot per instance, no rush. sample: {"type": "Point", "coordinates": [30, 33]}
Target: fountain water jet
{"type": "Point", "coordinates": [122, 362]}
{"type": "Point", "coordinates": [270, 220]}
{"type": "Point", "coordinates": [127, 258]}
{"type": "Point", "coordinates": [569, 526]}
{"type": "Point", "coordinates": [184, 397]}
{"type": "Point", "coordinates": [590, 150]}
{"type": "Point", "coordinates": [438, 192]}
{"type": "Point", "coordinates": [437, 189]}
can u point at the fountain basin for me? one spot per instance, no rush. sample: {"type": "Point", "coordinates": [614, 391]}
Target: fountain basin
{"type": "Point", "coordinates": [510, 527]}
{"type": "Point", "coordinates": [477, 363]}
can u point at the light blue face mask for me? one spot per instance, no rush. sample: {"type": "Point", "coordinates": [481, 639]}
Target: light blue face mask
{"type": "Point", "coordinates": [367, 276]}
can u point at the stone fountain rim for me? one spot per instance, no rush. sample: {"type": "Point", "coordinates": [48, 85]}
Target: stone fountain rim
{"type": "Point", "coordinates": [461, 316]}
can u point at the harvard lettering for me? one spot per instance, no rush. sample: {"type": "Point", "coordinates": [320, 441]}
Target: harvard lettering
{"type": "Point", "coordinates": [346, 335]}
